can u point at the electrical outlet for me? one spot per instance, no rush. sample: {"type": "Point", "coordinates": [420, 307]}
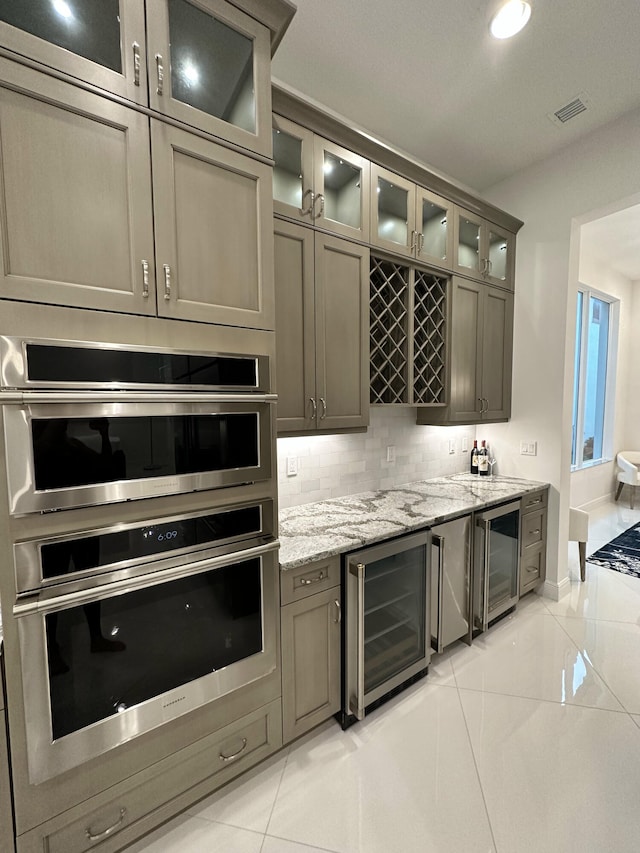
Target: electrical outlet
{"type": "Point", "coordinates": [292, 466]}
{"type": "Point", "coordinates": [465, 444]}
{"type": "Point", "coordinates": [391, 453]}
{"type": "Point", "coordinates": [528, 448]}
{"type": "Point", "coordinates": [452, 445]}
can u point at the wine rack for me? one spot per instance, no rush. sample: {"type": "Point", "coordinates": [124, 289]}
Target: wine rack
{"type": "Point", "coordinates": [408, 334]}
{"type": "Point", "coordinates": [388, 315]}
{"type": "Point", "coordinates": [429, 338]}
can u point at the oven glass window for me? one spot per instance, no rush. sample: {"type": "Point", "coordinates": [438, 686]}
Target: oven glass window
{"type": "Point", "coordinates": [108, 549]}
{"type": "Point", "coordinates": [113, 654]}
{"type": "Point", "coordinates": [48, 363]}
{"type": "Point", "coordinates": [81, 452]}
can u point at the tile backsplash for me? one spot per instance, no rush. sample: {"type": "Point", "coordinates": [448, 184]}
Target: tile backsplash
{"type": "Point", "coordinates": [332, 466]}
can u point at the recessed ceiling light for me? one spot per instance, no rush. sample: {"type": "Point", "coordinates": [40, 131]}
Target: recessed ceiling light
{"type": "Point", "coordinates": [510, 19]}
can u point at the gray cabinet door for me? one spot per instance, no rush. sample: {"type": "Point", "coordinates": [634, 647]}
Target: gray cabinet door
{"type": "Point", "coordinates": [209, 66]}
{"type": "Point", "coordinates": [214, 233]}
{"type": "Point", "coordinates": [6, 811]}
{"type": "Point", "coordinates": [76, 196]}
{"type": "Point", "coordinates": [295, 327]}
{"type": "Point", "coordinates": [102, 41]}
{"type": "Point", "coordinates": [310, 662]}
{"type": "Point", "coordinates": [342, 333]}
{"type": "Point", "coordinates": [466, 351]}
{"type": "Point", "coordinates": [497, 348]}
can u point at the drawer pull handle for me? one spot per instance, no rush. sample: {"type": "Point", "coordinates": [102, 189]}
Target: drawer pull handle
{"type": "Point", "coordinates": [145, 279]}
{"type": "Point", "coordinates": [228, 758]}
{"type": "Point", "coordinates": [109, 830]}
{"type": "Point", "coordinates": [537, 501]}
{"type": "Point", "coordinates": [338, 618]}
{"type": "Point", "coordinates": [160, 73]}
{"type": "Point", "coordinates": [533, 570]}
{"type": "Point", "coordinates": [307, 581]}
{"type": "Point", "coordinates": [535, 532]}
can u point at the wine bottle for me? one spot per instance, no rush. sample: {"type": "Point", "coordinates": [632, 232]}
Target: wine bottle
{"type": "Point", "coordinates": [474, 458]}
{"type": "Point", "coordinates": [483, 460]}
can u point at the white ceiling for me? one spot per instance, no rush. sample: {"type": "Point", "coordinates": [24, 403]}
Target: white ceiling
{"type": "Point", "coordinates": [426, 76]}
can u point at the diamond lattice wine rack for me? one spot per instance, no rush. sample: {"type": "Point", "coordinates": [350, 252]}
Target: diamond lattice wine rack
{"type": "Point", "coordinates": [408, 321]}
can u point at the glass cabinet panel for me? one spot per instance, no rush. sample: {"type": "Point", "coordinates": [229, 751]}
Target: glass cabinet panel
{"type": "Point", "coordinates": [498, 255]}
{"type": "Point", "coordinates": [433, 225]}
{"type": "Point", "coordinates": [393, 212]}
{"type": "Point", "coordinates": [211, 65]}
{"type": "Point", "coordinates": [342, 191]}
{"type": "Point", "coordinates": [287, 171]}
{"type": "Point", "coordinates": [91, 30]}
{"type": "Point", "coordinates": [468, 244]}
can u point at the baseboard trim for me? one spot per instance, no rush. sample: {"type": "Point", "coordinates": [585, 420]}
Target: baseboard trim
{"type": "Point", "coordinates": [596, 502]}
{"type": "Point", "coordinates": [556, 591]}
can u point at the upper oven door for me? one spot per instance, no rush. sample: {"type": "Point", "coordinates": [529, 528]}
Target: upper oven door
{"type": "Point", "coordinates": [64, 455]}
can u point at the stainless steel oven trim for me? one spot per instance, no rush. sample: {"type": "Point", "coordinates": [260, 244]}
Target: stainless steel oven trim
{"type": "Point", "coordinates": [13, 365]}
{"type": "Point", "coordinates": [24, 498]}
{"type": "Point", "coordinates": [28, 564]}
{"type": "Point", "coordinates": [47, 759]}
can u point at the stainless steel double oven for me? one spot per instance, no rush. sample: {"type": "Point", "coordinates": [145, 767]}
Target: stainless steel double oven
{"type": "Point", "coordinates": [130, 622]}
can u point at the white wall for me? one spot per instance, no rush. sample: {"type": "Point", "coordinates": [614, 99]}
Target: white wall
{"type": "Point", "coordinates": [593, 485]}
{"type": "Point", "coordinates": [631, 428]}
{"type": "Point", "coordinates": [553, 198]}
{"type": "Point", "coordinates": [336, 465]}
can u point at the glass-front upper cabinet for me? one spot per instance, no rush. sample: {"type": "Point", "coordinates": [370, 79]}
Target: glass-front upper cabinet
{"type": "Point", "coordinates": [209, 66]}
{"type": "Point", "coordinates": [483, 250]}
{"type": "Point", "coordinates": [410, 220]}
{"type": "Point", "coordinates": [318, 182]}
{"type": "Point", "coordinates": [293, 170]}
{"type": "Point", "coordinates": [101, 41]}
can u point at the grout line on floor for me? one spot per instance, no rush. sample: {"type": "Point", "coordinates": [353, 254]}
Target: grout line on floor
{"type": "Point", "coordinates": [475, 764]}
{"type": "Point", "coordinates": [549, 701]}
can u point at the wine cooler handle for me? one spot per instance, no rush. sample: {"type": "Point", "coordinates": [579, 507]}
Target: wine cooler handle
{"type": "Point", "coordinates": [438, 541]}
{"type": "Point", "coordinates": [356, 705]}
{"type": "Point", "coordinates": [487, 555]}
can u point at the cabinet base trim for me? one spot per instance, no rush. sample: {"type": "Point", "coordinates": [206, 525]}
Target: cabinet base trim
{"type": "Point", "coordinates": [556, 591]}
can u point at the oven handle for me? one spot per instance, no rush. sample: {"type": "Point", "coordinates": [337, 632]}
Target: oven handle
{"type": "Point", "coordinates": [131, 396]}
{"type": "Point", "coordinates": [87, 596]}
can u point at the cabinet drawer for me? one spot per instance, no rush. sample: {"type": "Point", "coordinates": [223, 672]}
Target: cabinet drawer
{"type": "Point", "coordinates": [223, 754]}
{"type": "Point", "coordinates": [535, 500]}
{"type": "Point", "coordinates": [533, 528]}
{"type": "Point", "coordinates": [532, 568]}
{"type": "Point", "coordinates": [298, 583]}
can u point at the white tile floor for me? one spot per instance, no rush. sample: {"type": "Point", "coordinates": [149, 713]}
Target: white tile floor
{"type": "Point", "coordinates": [527, 742]}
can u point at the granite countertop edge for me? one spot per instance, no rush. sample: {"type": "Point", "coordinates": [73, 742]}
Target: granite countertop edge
{"type": "Point", "coordinates": [317, 531]}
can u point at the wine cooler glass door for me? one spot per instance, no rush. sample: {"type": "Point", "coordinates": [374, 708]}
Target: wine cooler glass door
{"type": "Point", "coordinates": [390, 643]}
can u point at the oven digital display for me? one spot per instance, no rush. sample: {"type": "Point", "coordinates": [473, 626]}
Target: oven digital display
{"type": "Point", "coordinates": [107, 549]}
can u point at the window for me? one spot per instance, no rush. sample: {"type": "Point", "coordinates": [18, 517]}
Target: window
{"type": "Point", "coordinates": [594, 377]}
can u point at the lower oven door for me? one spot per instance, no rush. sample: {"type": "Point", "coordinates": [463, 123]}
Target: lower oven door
{"type": "Point", "coordinates": [388, 637]}
{"type": "Point", "coordinates": [64, 455]}
{"type": "Point", "coordinates": [102, 667]}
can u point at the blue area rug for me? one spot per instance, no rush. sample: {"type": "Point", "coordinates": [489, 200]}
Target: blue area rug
{"type": "Point", "coordinates": [622, 554]}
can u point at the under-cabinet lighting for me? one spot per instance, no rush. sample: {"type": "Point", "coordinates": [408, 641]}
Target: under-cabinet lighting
{"type": "Point", "coordinates": [510, 19]}
{"type": "Point", "coordinates": [62, 8]}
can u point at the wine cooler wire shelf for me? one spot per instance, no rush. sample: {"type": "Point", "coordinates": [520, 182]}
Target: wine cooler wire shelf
{"type": "Point", "coordinates": [390, 654]}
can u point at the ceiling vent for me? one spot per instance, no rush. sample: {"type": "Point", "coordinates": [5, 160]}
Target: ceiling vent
{"type": "Point", "coordinates": [576, 105]}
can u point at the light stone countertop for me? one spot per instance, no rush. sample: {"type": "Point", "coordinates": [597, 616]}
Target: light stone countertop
{"type": "Point", "coordinates": [319, 530]}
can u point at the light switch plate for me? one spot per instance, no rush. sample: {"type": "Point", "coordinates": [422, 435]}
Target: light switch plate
{"type": "Point", "coordinates": [528, 448]}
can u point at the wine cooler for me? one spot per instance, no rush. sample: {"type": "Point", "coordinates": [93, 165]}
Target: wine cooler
{"type": "Point", "coordinates": [387, 631]}
{"type": "Point", "coordinates": [497, 563]}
